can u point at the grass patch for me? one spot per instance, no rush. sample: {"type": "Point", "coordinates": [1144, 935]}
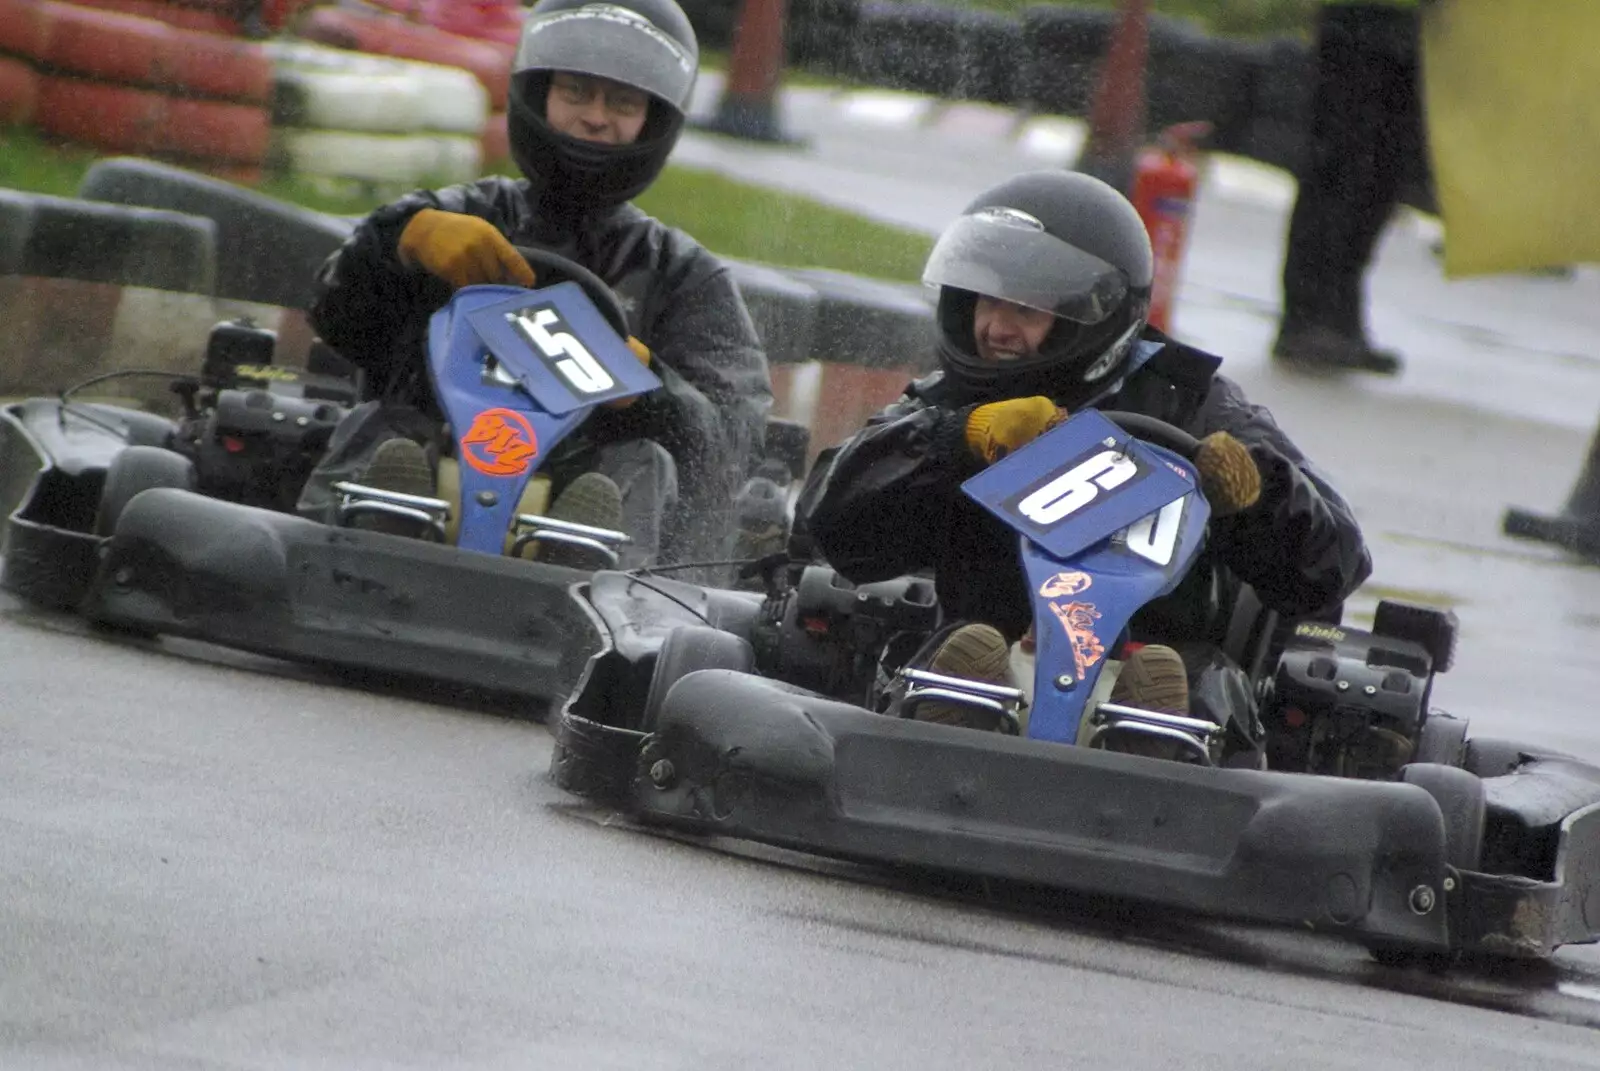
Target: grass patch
{"type": "Point", "coordinates": [753, 223]}
{"type": "Point", "coordinates": [728, 217]}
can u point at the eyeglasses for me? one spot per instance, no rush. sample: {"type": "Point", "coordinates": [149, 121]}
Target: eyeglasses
{"type": "Point", "coordinates": [623, 102]}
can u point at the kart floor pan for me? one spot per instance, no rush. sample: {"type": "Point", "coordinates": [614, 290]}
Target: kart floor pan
{"type": "Point", "coordinates": [747, 757]}
{"type": "Point", "coordinates": [183, 564]}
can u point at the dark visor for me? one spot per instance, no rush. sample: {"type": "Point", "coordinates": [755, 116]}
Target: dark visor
{"type": "Point", "coordinates": [1012, 258]}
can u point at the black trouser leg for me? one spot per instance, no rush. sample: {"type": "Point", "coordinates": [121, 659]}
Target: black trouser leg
{"type": "Point", "coordinates": [1364, 131]}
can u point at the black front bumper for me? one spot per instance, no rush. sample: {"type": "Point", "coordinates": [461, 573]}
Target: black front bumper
{"type": "Point", "coordinates": [746, 757]}
{"type": "Point", "coordinates": [187, 565]}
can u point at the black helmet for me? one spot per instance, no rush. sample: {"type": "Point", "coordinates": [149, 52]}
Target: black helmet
{"type": "Point", "coordinates": [647, 44]}
{"type": "Point", "coordinates": [1053, 240]}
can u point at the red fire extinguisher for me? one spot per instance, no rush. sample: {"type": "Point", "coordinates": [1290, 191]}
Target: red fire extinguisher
{"type": "Point", "coordinates": [1166, 177]}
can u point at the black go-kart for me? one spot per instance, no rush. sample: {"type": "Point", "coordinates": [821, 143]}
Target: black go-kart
{"type": "Point", "coordinates": [185, 527]}
{"type": "Point", "coordinates": [1330, 795]}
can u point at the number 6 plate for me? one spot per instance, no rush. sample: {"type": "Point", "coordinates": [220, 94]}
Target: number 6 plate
{"type": "Point", "coordinates": [1079, 484]}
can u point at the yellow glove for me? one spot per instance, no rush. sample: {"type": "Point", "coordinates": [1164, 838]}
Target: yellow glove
{"type": "Point", "coordinates": [1228, 474]}
{"type": "Point", "coordinates": [996, 429]}
{"type": "Point", "coordinates": [641, 351]}
{"type": "Point", "coordinates": [462, 250]}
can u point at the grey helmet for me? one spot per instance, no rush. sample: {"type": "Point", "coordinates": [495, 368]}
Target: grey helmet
{"type": "Point", "coordinates": [1058, 241]}
{"type": "Point", "coordinates": [647, 44]}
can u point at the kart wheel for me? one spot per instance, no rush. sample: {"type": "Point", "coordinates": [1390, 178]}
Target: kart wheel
{"type": "Point", "coordinates": [1443, 740]}
{"type": "Point", "coordinates": [686, 649]}
{"type": "Point", "coordinates": [1489, 756]}
{"type": "Point", "coordinates": [135, 469]}
{"type": "Point", "coordinates": [1460, 797]}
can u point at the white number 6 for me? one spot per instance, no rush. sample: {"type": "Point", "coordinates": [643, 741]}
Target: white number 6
{"type": "Point", "coordinates": [1077, 487]}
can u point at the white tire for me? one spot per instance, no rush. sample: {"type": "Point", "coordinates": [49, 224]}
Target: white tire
{"type": "Point", "coordinates": [331, 89]}
{"type": "Point", "coordinates": [404, 159]}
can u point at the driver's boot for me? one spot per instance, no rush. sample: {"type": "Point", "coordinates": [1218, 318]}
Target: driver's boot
{"type": "Point", "coordinates": [974, 652]}
{"type": "Point", "coordinates": [592, 499]}
{"type": "Point", "coordinates": [1152, 678]}
{"type": "Point", "coordinates": [397, 465]}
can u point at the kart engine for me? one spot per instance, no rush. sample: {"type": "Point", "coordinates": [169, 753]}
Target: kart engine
{"type": "Point", "coordinates": [1350, 703]}
{"type": "Point", "coordinates": [819, 631]}
{"type": "Point", "coordinates": [255, 429]}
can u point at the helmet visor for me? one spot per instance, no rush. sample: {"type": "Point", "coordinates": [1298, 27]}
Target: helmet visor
{"type": "Point", "coordinates": [608, 41]}
{"type": "Point", "coordinates": [1007, 254]}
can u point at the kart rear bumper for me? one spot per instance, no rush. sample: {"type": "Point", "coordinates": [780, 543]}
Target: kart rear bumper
{"type": "Point", "coordinates": [183, 564]}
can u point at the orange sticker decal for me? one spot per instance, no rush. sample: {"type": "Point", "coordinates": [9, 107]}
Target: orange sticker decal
{"type": "Point", "coordinates": [1069, 582]}
{"type": "Point", "coordinates": [1077, 621]}
{"type": "Point", "coordinates": [500, 443]}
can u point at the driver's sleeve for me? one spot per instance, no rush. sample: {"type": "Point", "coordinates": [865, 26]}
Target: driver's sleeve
{"type": "Point", "coordinates": [875, 505]}
{"type": "Point", "coordinates": [1299, 546]}
{"type": "Point", "coordinates": [365, 303]}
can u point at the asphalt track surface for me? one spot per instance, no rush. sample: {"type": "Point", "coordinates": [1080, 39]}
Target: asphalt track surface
{"type": "Point", "coordinates": [219, 861]}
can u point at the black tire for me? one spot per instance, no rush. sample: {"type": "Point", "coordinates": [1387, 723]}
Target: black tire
{"type": "Point", "coordinates": [1460, 797]}
{"type": "Point", "coordinates": [135, 469]}
{"type": "Point", "coordinates": [1443, 740]}
{"type": "Point", "coordinates": [686, 649]}
{"type": "Point", "coordinates": [1489, 756]}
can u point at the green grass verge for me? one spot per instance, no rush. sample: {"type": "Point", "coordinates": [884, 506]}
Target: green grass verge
{"type": "Point", "coordinates": [728, 217]}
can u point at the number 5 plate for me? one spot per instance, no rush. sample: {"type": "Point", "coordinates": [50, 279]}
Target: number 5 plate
{"type": "Point", "coordinates": [1079, 484]}
{"type": "Point", "coordinates": [562, 350]}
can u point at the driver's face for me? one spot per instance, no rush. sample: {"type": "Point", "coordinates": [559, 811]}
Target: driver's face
{"type": "Point", "coordinates": [596, 109]}
{"type": "Point", "coordinates": [1006, 331]}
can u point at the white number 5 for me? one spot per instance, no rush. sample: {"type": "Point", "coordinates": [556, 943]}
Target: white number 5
{"type": "Point", "coordinates": [577, 364]}
{"type": "Point", "coordinates": [1077, 487]}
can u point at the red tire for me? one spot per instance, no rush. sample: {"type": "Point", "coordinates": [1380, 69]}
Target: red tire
{"type": "Point", "coordinates": [388, 36]}
{"type": "Point", "coordinates": [182, 17]}
{"type": "Point", "coordinates": [19, 92]}
{"type": "Point", "coordinates": [135, 120]}
{"type": "Point", "coordinates": [24, 29]}
{"type": "Point", "coordinates": [130, 50]}
{"type": "Point", "coordinates": [496, 140]}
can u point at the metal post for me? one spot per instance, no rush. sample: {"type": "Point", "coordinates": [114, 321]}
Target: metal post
{"type": "Point", "coordinates": [1117, 112]}
{"type": "Point", "coordinates": [749, 104]}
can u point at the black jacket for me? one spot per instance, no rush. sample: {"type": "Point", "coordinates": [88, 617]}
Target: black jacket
{"type": "Point", "coordinates": [680, 300]}
{"type": "Point", "coordinates": [889, 502]}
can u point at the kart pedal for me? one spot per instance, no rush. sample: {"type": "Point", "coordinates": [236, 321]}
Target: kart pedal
{"type": "Point", "coordinates": [395, 495]}
{"type": "Point", "coordinates": [582, 529]}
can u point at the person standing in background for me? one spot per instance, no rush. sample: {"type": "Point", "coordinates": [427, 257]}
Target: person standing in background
{"type": "Point", "coordinates": [1365, 140]}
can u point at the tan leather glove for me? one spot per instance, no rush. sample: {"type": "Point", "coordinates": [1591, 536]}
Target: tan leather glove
{"type": "Point", "coordinates": [462, 250]}
{"type": "Point", "coordinates": [1228, 474]}
{"type": "Point", "coordinates": [996, 429]}
{"type": "Point", "coordinates": [641, 351]}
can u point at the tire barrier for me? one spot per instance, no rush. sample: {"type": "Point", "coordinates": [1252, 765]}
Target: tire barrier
{"type": "Point", "coordinates": [64, 265]}
{"type": "Point", "coordinates": [393, 123]}
{"type": "Point", "coordinates": [385, 160]}
{"type": "Point", "coordinates": [122, 245]}
{"type": "Point", "coordinates": [783, 308]}
{"type": "Point", "coordinates": [123, 83]}
{"type": "Point", "coordinates": [323, 88]}
{"type": "Point", "coordinates": [184, 18]}
{"type": "Point", "coordinates": [19, 92]}
{"type": "Point", "coordinates": [123, 119]}
{"type": "Point", "coordinates": [246, 223]}
{"type": "Point", "coordinates": [128, 50]}
{"type": "Point", "coordinates": [387, 35]}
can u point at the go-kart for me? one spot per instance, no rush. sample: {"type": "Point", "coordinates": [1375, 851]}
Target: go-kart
{"type": "Point", "coordinates": [1337, 800]}
{"type": "Point", "coordinates": [156, 527]}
